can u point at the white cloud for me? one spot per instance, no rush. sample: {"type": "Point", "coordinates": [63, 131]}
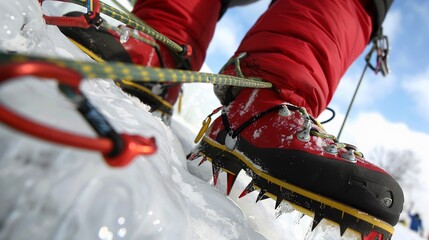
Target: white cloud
{"type": "Point", "coordinates": [371, 130]}
{"type": "Point", "coordinates": [345, 89]}
{"type": "Point", "coordinates": [375, 87]}
{"type": "Point", "coordinates": [417, 87]}
{"type": "Point", "coordinates": [392, 24]}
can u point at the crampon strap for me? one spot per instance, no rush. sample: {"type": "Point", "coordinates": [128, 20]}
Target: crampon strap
{"type": "Point", "coordinates": [92, 16]}
{"type": "Point", "coordinates": [117, 149]}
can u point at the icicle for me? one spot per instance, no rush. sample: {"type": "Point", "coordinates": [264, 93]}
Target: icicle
{"type": "Point", "coordinates": [284, 207]}
{"type": "Point", "coordinates": [261, 195]}
{"type": "Point", "coordinates": [298, 218]}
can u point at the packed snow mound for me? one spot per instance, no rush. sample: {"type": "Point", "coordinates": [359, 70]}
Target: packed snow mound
{"type": "Point", "coordinates": [51, 191]}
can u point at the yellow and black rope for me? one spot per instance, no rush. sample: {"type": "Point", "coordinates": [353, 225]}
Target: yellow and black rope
{"type": "Point", "coordinates": [136, 73]}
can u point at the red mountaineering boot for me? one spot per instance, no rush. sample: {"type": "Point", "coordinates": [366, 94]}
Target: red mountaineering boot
{"type": "Point", "coordinates": [271, 134]}
{"type": "Point", "coordinates": [187, 23]}
{"type": "Point", "coordinates": [113, 45]}
{"type": "Point", "coordinates": [290, 157]}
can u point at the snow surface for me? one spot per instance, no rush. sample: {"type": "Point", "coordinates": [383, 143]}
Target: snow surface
{"type": "Point", "coordinates": [50, 191]}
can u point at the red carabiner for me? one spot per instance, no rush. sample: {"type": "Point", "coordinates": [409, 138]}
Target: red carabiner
{"type": "Point", "coordinates": [131, 145]}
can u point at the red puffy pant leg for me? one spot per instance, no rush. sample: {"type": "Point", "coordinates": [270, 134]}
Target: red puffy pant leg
{"type": "Point", "coordinates": [302, 46]}
{"type": "Point", "coordinates": [305, 46]}
{"type": "Point", "coordinates": [183, 21]}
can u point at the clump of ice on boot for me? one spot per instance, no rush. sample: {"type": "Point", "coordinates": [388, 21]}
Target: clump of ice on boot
{"type": "Point", "coordinates": [327, 230]}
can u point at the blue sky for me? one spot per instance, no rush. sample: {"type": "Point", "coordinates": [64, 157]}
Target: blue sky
{"type": "Point", "coordinates": [402, 96]}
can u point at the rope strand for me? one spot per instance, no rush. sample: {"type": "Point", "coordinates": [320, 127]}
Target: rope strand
{"type": "Point", "coordinates": [136, 73]}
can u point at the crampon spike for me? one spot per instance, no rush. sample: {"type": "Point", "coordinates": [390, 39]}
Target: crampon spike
{"type": "Point", "coordinates": [230, 182]}
{"type": "Point", "coordinates": [278, 202]}
{"type": "Point", "coordinates": [216, 171]}
{"type": "Point", "coordinates": [249, 188]}
{"type": "Point", "coordinates": [316, 220]}
{"type": "Point", "coordinates": [202, 161]}
{"type": "Point", "coordinates": [261, 195]}
{"type": "Point", "coordinates": [192, 156]}
{"type": "Point", "coordinates": [343, 229]}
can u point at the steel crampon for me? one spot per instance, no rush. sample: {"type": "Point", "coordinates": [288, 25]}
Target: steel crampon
{"type": "Point", "coordinates": [308, 203]}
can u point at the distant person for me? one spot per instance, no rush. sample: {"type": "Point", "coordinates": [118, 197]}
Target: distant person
{"type": "Point", "coordinates": [416, 223]}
